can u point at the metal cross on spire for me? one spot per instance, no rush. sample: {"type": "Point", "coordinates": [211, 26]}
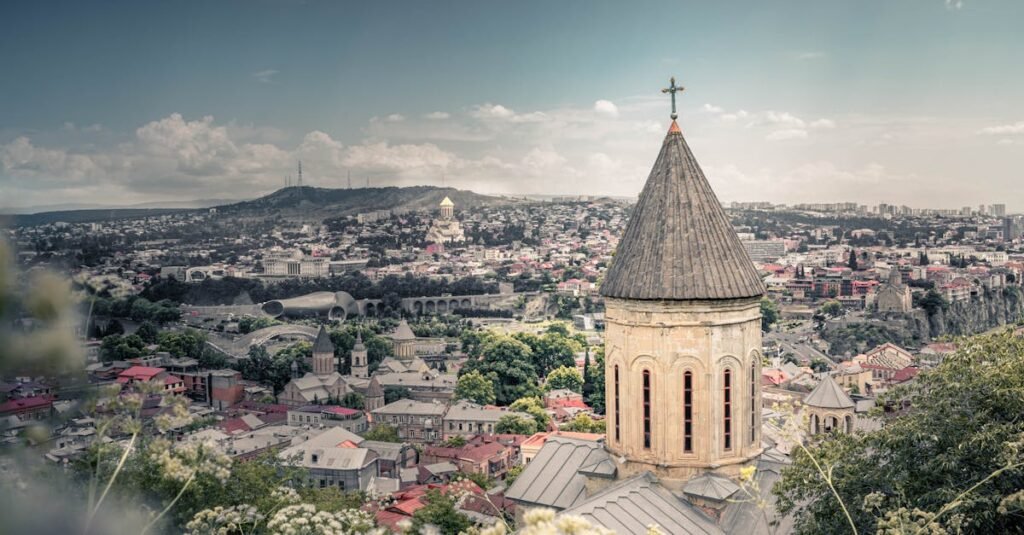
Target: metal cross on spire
{"type": "Point", "coordinates": [673, 88]}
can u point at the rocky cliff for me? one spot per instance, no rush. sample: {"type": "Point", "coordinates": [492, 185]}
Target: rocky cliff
{"type": "Point", "coordinates": [986, 310]}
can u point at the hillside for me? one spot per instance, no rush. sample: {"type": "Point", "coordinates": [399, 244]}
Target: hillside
{"type": "Point", "coordinates": [323, 203]}
{"type": "Point", "coordinates": [85, 216]}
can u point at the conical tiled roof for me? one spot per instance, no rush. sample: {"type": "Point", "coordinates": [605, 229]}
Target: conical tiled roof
{"type": "Point", "coordinates": [403, 332]}
{"type": "Point", "coordinates": [374, 389]}
{"type": "Point", "coordinates": [323, 342]}
{"type": "Point", "coordinates": [679, 244]}
{"type": "Point", "coordinates": [828, 395]}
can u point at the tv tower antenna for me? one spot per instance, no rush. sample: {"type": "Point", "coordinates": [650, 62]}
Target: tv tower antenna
{"type": "Point", "coordinates": [300, 173]}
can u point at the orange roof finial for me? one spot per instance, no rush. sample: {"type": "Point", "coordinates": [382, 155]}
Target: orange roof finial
{"type": "Point", "coordinates": [674, 129]}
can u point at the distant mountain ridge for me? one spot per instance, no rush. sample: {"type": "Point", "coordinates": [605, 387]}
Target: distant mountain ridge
{"type": "Point", "coordinates": [309, 202]}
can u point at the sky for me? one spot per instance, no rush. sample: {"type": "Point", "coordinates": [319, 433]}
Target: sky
{"type": "Point", "coordinates": [917, 102]}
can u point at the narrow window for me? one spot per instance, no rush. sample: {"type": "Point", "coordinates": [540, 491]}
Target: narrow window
{"type": "Point", "coordinates": [616, 400]}
{"type": "Point", "coordinates": [688, 412]}
{"type": "Point", "coordinates": [647, 409]}
{"type": "Point", "coordinates": [753, 402]}
{"type": "Point", "coordinates": [727, 406]}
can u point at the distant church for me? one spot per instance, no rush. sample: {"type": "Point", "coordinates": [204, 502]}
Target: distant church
{"type": "Point", "coordinates": [682, 373]}
{"type": "Point", "coordinates": [320, 385]}
{"type": "Point", "coordinates": [894, 296]}
{"type": "Point", "coordinates": [446, 229]}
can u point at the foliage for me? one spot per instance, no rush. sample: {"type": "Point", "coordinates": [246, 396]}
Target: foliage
{"type": "Point", "coordinates": [819, 366]}
{"type": "Point", "coordinates": [249, 324]}
{"type": "Point", "coordinates": [859, 337]}
{"type": "Point", "coordinates": [953, 459]}
{"type": "Point", "coordinates": [353, 400]}
{"type": "Point", "coordinates": [481, 480]}
{"type": "Point", "coordinates": [552, 349]}
{"type": "Point", "coordinates": [515, 424]}
{"type": "Point", "coordinates": [513, 474]}
{"type": "Point", "coordinates": [769, 314]}
{"type": "Point", "coordinates": [138, 309]}
{"type": "Point", "coordinates": [394, 393]}
{"type": "Point", "coordinates": [118, 347]}
{"type": "Point", "coordinates": [508, 359]}
{"type": "Point", "coordinates": [595, 374]}
{"type": "Point", "coordinates": [475, 387]}
{"type": "Point", "coordinates": [189, 343]}
{"type": "Point", "coordinates": [583, 423]}
{"type": "Point", "coordinates": [455, 441]}
{"type": "Point", "coordinates": [565, 377]}
{"type": "Point", "coordinates": [275, 371]}
{"type": "Point", "coordinates": [831, 308]}
{"type": "Point", "coordinates": [382, 433]}
{"type": "Point", "coordinates": [440, 511]}
{"type": "Point", "coordinates": [932, 302]}
{"type": "Point", "coordinates": [535, 408]}
{"type": "Point", "coordinates": [147, 331]}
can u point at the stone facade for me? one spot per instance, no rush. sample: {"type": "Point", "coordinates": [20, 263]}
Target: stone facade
{"type": "Point", "coordinates": [668, 339]}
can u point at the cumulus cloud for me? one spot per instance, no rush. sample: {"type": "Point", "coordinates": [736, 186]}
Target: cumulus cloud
{"type": "Point", "coordinates": [265, 76]}
{"type": "Point", "coordinates": [607, 108]}
{"type": "Point", "coordinates": [498, 112]}
{"type": "Point", "coordinates": [810, 55]}
{"type": "Point", "coordinates": [437, 115]}
{"type": "Point", "coordinates": [1005, 129]}
{"type": "Point", "coordinates": [787, 133]}
{"type": "Point", "coordinates": [954, 5]}
{"type": "Point", "coordinates": [710, 108]}
{"type": "Point", "coordinates": [394, 118]}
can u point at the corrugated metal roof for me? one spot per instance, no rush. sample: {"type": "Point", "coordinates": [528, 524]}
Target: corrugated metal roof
{"type": "Point", "coordinates": [631, 505]}
{"type": "Point", "coordinates": [552, 478]}
{"type": "Point", "coordinates": [679, 244]}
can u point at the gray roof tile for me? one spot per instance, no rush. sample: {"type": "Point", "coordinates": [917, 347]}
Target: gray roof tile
{"type": "Point", "coordinates": [679, 244]}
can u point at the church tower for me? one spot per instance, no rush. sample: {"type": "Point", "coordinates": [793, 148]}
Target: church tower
{"type": "Point", "coordinates": [360, 361]}
{"type": "Point", "coordinates": [683, 330]}
{"type": "Point", "coordinates": [323, 353]}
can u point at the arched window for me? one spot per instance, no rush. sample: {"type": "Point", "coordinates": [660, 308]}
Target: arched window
{"type": "Point", "coordinates": [647, 409]}
{"type": "Point", "coordinates": [616, 401]}
{"type": "Point", "coordinates": [753, 402]}
{"type": "Point", "coordinates": [727, 409]}
{"type": "Point", "coordinates": [688, 412]}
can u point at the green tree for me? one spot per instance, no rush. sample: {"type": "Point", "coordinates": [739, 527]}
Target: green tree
{"type": "Point", "coordinates": [831, 308]}
{"type": "Point", "coordinates": [564, 377]}
{"type": "Point", "coordinates": [117, 347]}
{"type": "Point", "coordinates": [769, 314]}
{"type": "Point", "coordinates": [475, 387]}
{"type": "Point", "coordinates": [440, 511]}
{"type": "Point", "coordinates": [596, 376]}
{"type": "Point", "coordinates": [515, 424]}
{"type": "Point", "coordinates": [852, 262]}
{"type": "Point", "coordinates": [456, 441]}
{"type": "Point", "coordinates": [188, 343]}
{"type": "Point", "coordinates": [513, 474]}
{"type": "Point", "coordinates": [382, 433]}
{"type": "Point", "coordinates": [395, 393]}
{"type": "Point", "coordinates": [353, 400]}
{"type": "Point", "coordinates": [535, 408]}
{"type": "Point", "coordinates": [950, 451]}
{"type": "Point", "coordinates": [147, 331]}
{"type": "Point", "coordinates": [509, 360]}
{"type": "Point", "coordinates": [583, 423]}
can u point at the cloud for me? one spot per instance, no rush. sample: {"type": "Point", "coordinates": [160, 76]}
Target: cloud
{"type": "Point", "coordinates": [711, 108]}
{"type": "Point", "coordinates": [823, 123]}
{"type": "Point", "coordinates": [607, 108]}
{"type": "Point", "coordinates": [437, 115]}
{"type": "Point", "coordinates": [809, 56]}
{"type": "Point", "coordinates": [394, 118]}
{"type": "Point", "coordinates": [732, 117]}
{"type": "Point", "coordinates": [265, 76]}
{"type": "Point", "coordinates": [498, 112]}
{"type": "Point", "coordinates": [788, 133]}
{"type": "Point", "coordinates": [1006, 129]}
{"type": "Point", "coordinates": [954, 5]}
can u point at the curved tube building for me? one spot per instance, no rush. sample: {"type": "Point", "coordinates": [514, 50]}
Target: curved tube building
{"type": "Point", "coordinates": [336, 306]}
